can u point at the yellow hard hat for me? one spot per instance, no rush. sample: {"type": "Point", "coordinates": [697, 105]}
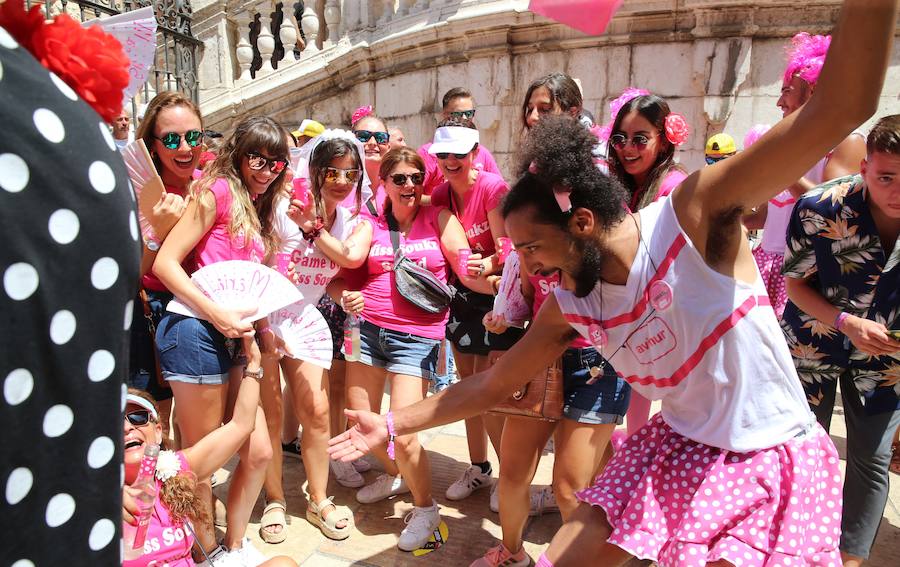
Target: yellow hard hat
{"type": "Point", "coordinates": [720, 145]}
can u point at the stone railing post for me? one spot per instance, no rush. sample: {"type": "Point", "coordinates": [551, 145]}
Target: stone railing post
{"type": "Point", "coordinates": [333, 21]}
{"type": "Point", "coordinates": [243, 51]}
{"type": "Point", "coordinates": [387, 12]}
{"type": "Point", "coordinates": [351, 16]}
{"type": "Point", "coordinates": [288, 34]}
{"type": "Point", "coordinates": [310, 24]}
{"type": "Point", "coordinates": [265, 42]}
{"type": "Point", "coordinates": [420, 6]}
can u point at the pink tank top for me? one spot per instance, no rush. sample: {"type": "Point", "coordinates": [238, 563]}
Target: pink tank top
{"type": "Point", "coordinates": [168, 542]}
{"type": "Point", "coordinates": [150, 281]}
{"type": "Point", "coordinates": [384, 306]}
{"type": "Point", "coordinates": [484, 196]}
{"type": "Point", "coordinates": [217, 245]}
{"type": "Point", "coordinates": [543, 287]}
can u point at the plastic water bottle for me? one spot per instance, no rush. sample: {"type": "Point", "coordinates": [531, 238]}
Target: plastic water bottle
{"type": "Point", "coordinates": [135, 536]}
{"type": "Point", "coordinates": [351, 338]}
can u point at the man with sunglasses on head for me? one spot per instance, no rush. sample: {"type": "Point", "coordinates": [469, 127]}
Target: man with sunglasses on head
{"type": "Point", "coordinates": [458, 104]}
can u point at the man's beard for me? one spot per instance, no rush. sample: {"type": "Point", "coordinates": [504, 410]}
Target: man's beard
{"type": "Point", "coordinates": [588, 272]}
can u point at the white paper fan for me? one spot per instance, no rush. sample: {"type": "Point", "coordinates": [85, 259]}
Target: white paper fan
{"type": "Point", "coordinates": [509, 300]}
{"type": "Point", "coordinates": [305, 333]}
{"type": "Point", "coordinates": [148, 186]}
{"type": "Point", "coordinates": [136, 31]}
{"type": "Point", "coordinates": [241, 285]}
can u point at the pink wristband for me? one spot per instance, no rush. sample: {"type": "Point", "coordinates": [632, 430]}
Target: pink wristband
{"type": "Point", "coordinates": [839, 320]}
{"type": "Point", "coordinates": [389, 418]}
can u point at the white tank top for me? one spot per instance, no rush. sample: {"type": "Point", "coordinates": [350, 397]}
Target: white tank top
{"type": "Point", "coordinates": [716, 357]}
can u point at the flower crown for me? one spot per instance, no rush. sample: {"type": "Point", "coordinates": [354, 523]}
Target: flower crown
{"type": "Point", "coordinates": [89, 60]}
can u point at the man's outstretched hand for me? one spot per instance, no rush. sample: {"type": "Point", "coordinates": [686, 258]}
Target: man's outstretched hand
{"type": "Point", "coordinates": [369, 430]}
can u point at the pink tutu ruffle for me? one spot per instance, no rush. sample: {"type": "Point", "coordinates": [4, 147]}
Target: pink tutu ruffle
{"type": "Point", "coordinates": [683, 503]}
{"type": "Point", "coordinates": [770, 269]}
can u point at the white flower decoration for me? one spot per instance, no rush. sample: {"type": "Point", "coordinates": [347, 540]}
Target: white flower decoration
{"type": "Point", "coordinates": [167, 465]}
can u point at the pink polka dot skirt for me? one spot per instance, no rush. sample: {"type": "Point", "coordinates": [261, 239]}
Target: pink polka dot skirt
{"type": "Point", "coordinates": [682, 503]}
{"type": "Point", "coordinates": [770, 269]}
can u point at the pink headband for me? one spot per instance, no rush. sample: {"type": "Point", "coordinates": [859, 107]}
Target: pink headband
{"type": "Point", "coordinates": [360, 113]}
{"type": "Point", "coordinates": [806, 56]}
{"type": "Point", "coordinates": [615, 105]}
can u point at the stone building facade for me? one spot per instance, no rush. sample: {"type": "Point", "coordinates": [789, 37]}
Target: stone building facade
{"type": "Point", "coordinates": [718, 62]}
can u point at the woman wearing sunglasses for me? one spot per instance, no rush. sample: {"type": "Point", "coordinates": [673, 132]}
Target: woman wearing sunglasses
{"type": "Point", "coordinates": [372, 133]}
{"type": "Point", "coordinates": [319, 238]}
{"type": "Point", "coordinates": [220, 224]}
{"type": "Point", "coordinates": [474, 197]}
{"type": "Point", "coordinates": [178, 508]}
{"type": "Point", "coordinates": [172, 131]}
{"type": "Point", "coordinates": [399, 341]}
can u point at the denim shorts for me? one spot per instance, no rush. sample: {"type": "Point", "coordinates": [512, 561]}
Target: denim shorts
{"type": "Point", "coordinates": [193, 351]}
{"type": "Point", "coordinates": [604, 401]}
{"type": "Point", "coordinates": [142, 357]}
{"type": "Point", "coordinates": [398, 352]}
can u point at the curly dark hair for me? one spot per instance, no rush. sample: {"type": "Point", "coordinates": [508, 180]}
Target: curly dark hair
{"type": "Point", "coordinates": [557, 152]}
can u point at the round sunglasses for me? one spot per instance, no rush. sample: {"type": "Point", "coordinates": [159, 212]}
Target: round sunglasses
{"type": "Point", "coordinates": [400, 179]}
{"type": "Point", "coordinates": [619, 141]}
{"type": "Point", "coordinates": [256, 162]}
{"type": "Point", "coordinates": [335, 174]}
{"type": "Point", "coordinates": [366, 135]}
{"type": "Point", "coordinates": [172, 140]}
{"type": "Point", "coordinates": [138, 418]}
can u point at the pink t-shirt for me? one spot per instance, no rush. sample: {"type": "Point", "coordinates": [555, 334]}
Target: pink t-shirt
{"type": "Point", "coordinates": [543, 287]}
{"type": "Point", "coordinates": [385, 306]}
{"type": "Point", "coordinates": [150, 281]}
{"type": "Point", "coordinates": [168, 543]}
{"type": "Point", "coordinates": [433, 176]}
{"type": "Point", "coordinates": [217, 245]}
{"type": "Point", "coordinates": [672, 179]}
{"type": "Point", "coordinates": [483, 197]}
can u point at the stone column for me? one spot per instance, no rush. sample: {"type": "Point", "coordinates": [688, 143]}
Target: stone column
{"type": "Point", "coordinates": [288, 35]}
{"type": "Point", "coordinates": [333, 21]}
{"type": "Point", "coordinates": [244, 50]}
{"type": "Point", "coordinates": [265, 42]}
{"type": "Point", "coordinates": [310, 24]}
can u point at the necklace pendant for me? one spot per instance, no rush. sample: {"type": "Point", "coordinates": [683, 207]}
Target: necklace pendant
{"type": "Point", "coordinates": [597, 335]}
{"type": "Point", "coordinates": [596, 372]}
{"type": "Point", "coordinates": [661, 295]}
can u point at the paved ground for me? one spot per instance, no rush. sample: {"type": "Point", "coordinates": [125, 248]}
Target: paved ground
{"type": "Point", "coordinates": [472, 526]}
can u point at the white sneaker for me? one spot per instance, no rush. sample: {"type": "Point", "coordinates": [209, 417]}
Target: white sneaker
{"type": "Point", "coordinates": [420, 524]}
{"type": "Point", "coordinates": [542, 500]}
{"type": "Point", "coordinates": [384, 486]}
{"type": "Point", "coordinates": [469, 482]}
{"type": "Point", "coordinates": [250, 556]}
{"type": "Point", "coordinates": [221, 557]}
{"type": "Point", "coordinates": [346, 475]}
{"type": "Point", "coordinates": [361, 465]}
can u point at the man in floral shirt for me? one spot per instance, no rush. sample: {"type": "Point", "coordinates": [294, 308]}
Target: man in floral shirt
{"type": "Point", "coordinates": [842, 265]}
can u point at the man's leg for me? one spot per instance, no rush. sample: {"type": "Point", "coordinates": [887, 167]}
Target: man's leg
{"type": "Point", "coordinates": [866, 482]}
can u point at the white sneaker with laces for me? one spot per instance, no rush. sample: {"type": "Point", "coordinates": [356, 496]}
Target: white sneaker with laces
{"type": "Point", "coordinates": [542, 500]}
{"type": "Point", "coordinates": [346, 474]}
{"type": "Point", "coordinates": [384, 486]}
{"type": "Point", "coordinates": [420, 523]}
{"type": "Point", "coordinates": [469, 482]}
{"type": "Point", "coordinates": [250, 556]}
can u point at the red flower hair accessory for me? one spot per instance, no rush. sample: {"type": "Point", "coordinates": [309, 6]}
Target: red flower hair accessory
{"type": "Point", "coordinates": [360, 113]}
{"type": "Point", "coordinates": [677, 129]}
{"type": "Point", "coordinates": [89, 60]}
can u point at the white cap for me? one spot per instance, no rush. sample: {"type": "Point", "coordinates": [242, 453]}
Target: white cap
{"type": "Point", "coordinates": [453, 140]}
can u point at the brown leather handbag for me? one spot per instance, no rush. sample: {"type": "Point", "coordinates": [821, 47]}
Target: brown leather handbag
{"type": "Point", "coordinates": [541, 398]}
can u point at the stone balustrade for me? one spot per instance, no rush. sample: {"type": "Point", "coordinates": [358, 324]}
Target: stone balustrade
{"type": "Point", "coordinates": [718, 62]}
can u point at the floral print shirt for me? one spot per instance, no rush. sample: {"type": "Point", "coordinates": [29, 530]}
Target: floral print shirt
{"type": "Point", "coordinates": [832, 240]}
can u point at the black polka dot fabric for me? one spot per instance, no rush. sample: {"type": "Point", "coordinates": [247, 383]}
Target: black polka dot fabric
{"type": "Point", "coordinates": [69, 260]}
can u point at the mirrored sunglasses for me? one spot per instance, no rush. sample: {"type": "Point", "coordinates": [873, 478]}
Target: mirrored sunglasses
{"type": "Point", "coordinates": [463, 114]}
{"type": "Point", "coordinates": [400, 179]}
{"type": "Point", "coordinates": [619, 141]}
{"type": "Point", "coordinates": [257, 162]}
{"type": "Point", "coordinates": [334, 175]}
{"type": "Point", "coordinates": [138, 418]}
{"type": "Point", "coordinates": [366, 135]}
{"type": "Point", "coordinates": [172, 140]}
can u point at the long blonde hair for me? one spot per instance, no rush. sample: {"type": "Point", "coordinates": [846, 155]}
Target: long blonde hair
{"type": "Point", "coordinates": [254, 134]}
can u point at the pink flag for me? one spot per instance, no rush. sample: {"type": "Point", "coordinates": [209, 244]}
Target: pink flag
{"type": "Point", "coordinates": [588, 16]}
